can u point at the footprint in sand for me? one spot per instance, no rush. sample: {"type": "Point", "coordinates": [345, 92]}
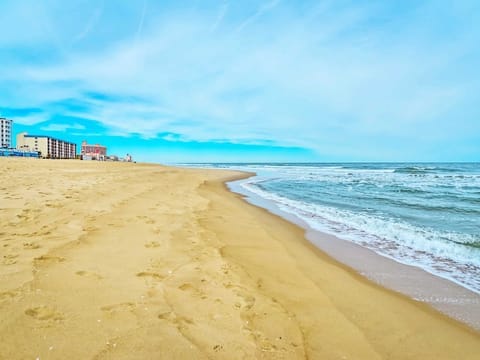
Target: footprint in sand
{"type": "Point", "coordinates": [166, 316]}
{"type": "Point", "coordinates": [192, 290]}
{"type": "Point", "coordinates": [7, 295]}
{"type": "Point", "coordinates": [24, 215]}
{"type": "Point", "coordinates": [248, 300]}
{"type": "Point", "coordinates": [31, 246]}
{"type": "Point", "coordinates": [152, 244]}
{"type": "Point", "coordinates": [150, 274]}
{"type": "Point", "coordinates": [126, 306]}
{"type": "Point", "coordinates": [49, 259]}
{"type": "Point", "coordinates": [146, 219]}
{"type": "Point", "coordinates": [44, 313]}
{"type": "Point", "coordinates": [9, 259]}
{"type": "Point", "coordinates": [186, 287]}
{"type": "Point", "coordinates": [183, 320]}
{"type": "Point", "coordinates": [54, 205]}
{"type": "Point", "coordinates": [89, 274]}
{"type": "Point", "coordinates": [217, 348]}
{"type": "Point", "coordinates": [42, 232]}
{"type": "Point", "coordinates": [180, 321]}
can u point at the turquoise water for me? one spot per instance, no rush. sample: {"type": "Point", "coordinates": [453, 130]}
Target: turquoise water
{"type": "Point", "coordinates": [426, 215]}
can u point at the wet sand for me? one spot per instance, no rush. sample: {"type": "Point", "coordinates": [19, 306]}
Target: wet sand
{"type": "Point", "coordinates": [138, 261]}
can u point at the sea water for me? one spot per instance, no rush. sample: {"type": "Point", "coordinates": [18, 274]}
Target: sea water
{"type": "Point", "coordinates": [425, 215]}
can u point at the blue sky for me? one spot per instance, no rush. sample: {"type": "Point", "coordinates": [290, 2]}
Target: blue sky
{"type": "Point", "coordinates": [172, 81]}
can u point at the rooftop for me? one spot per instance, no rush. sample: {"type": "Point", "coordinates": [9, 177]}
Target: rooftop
{"type": "Point", "coordinates": [49, 137]}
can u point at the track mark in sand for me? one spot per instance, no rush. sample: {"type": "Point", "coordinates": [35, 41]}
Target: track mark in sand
{"type": "Point", "coordinates": [42, 232]}
{"type": "Point", "coordinates": [9, 259]}
{"type": "Point", "coordinates": [187, 287]}
{"type": "Point", "coordinates": [126, 306]}
{"type": "Point", "coordinates": [7, 295]}
{"type": "Point", "coordinates": [89, 274]}
{"type": "Point", "coordinates": [147, 220]}
{"type": "Point", "coordinates": [152, 244]}
{"type": "Point", "coordinates": [31, 245]}
{"type": "Point", "coordinates": [166, 316]}
{"type": "Point", "coordinates": [49, 259]}
{"type": "Point", "coordinates": [54, 205]}
{"type": "Point", "coordinates": [248, 300]}
{"type": "Point", "coordinates": [44, 313]}
{"type": "Point", "coordinates": [150, 274]}
{"type": "Point", "coordinates": [182, 320]}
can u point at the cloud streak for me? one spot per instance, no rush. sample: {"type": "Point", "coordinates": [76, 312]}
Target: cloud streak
{"type": "Point", "coordinates": [142, 19]}
{"type": "Point", "coordinates": [221, 14]}
{"type": "Point", "coordinates": [96, 15]}
{"type": "Point", "coordinates": [62, 127]}
{"type": "Point", "coordinates": [263, 9]}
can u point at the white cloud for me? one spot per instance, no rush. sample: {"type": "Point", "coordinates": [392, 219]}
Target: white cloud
{"type": "Point", "coordinates": [62, 127]}
{"type": "Point", "coordinates": [31, 119]}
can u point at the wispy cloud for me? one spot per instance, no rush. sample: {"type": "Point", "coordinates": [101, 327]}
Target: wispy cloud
{"type": "Point", "coordinates": [62, 127]}
{"type": "Point", "coordinates": [264, 8]}
{"type": "Point", "coordinates": [96, 15]}
{"type": "Point", "coordinates": [142, 19]}
{"type": "Point", "coordinates": [221, 14]}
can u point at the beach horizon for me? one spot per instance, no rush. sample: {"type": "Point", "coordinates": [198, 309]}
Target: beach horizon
{"type": "Point", "coordinates": [145, 260]}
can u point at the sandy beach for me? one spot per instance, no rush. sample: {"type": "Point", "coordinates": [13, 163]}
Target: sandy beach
{"type": "Point", "coordinates": [140, 261]}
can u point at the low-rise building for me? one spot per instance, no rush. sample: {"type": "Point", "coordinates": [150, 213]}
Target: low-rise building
{"type": "Point", "coordinates": [93, 152]}
{"type": "Point", "coordinates": [18, 153]}
{"type": "Point", "coordinates": [5, 133]}
{"type": "Point", "coordinates": [47, 146]}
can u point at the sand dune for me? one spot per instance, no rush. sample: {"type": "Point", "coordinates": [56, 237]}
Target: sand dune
{"type": "Point", "coordinates": [137, 261]}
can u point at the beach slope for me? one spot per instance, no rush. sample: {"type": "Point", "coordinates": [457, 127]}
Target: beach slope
{"type": "Point", "coordinates": [138, 261]}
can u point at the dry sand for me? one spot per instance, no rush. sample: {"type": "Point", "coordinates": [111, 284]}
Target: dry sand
{"type": "Point", "coordinates": [132, 261]}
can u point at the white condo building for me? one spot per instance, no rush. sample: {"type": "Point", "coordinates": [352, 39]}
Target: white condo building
{"type": "Point", "coordinates": [47, 146]}
{"type": "Point", "coordinates": [5, 133]}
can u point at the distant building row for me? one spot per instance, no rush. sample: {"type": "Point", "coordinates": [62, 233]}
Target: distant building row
{"type": "Point", "coordinates": [47, 146]}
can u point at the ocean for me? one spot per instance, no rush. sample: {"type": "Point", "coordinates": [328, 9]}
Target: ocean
{"type": "Point", "coordinates": [425, 215]}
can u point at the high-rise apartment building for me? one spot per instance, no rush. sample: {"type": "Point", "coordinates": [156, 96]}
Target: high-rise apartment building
{"type": "Point", "coordinates": [5, 133]}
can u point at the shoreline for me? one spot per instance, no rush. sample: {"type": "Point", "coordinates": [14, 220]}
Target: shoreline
{"type": "Point", "coordinates": [417, 284]}
{"type": "Point", "coordinates": [121, 261]}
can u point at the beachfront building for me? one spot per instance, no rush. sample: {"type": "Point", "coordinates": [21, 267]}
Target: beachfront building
{"type": "Point", "coordinates": [5, 133]}
{"type": "Point", "coordinates": [93, 152]}
{"type": "Point", "coordinates": [47, 146]}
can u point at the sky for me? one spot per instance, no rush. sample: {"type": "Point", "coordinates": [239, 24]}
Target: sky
{"type": "Point", "coordinates": [247, 81]}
